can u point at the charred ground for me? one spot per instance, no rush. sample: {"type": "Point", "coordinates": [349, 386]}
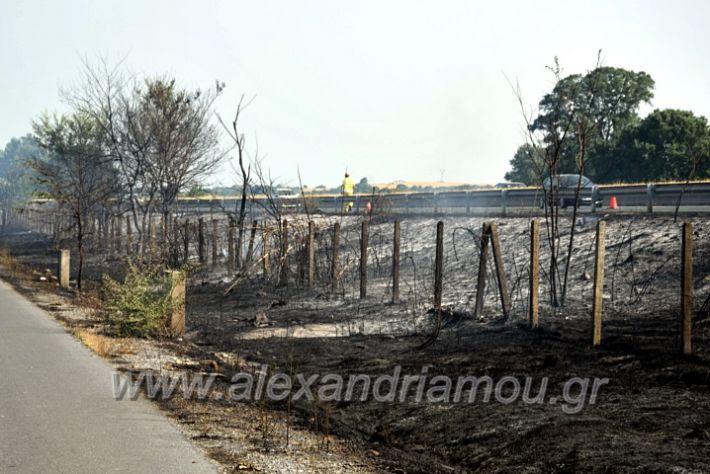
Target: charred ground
{"type": "Point", "coordinates": [653, 415]}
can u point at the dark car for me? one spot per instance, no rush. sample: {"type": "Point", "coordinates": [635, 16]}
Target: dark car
{"type": "Point", "coordinates": [564, 188]}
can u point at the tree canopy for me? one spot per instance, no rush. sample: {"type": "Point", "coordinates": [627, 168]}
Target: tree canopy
{"type": "Point", "coordinates": [668, 144]}
{"type": "Point", "coordinates": [128, 147]}
{"type": "Point", "coordinates": [15, 175]}
{"type": "Point", "coordinates": [525, 165]}
{"type": "Point", "coordinates": [603, 105]}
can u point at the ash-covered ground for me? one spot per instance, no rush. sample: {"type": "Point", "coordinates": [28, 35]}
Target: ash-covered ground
{"type": "Point", "coordinates": [653, 414]}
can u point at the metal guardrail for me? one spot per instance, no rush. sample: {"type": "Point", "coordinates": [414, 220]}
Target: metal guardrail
{"type": "Point", "coordinates": [647, 196]}
{"type": "Point", "coordinates": [467, 202]}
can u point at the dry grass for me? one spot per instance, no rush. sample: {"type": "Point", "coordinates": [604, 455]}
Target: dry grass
{"type": "Point", "coordinates": [91, 300]}
{"type": "Point", "coordinates": [101, 345]}
{"type": "Point", "coordinates": [668, 181]}
{"type": "Point", "coordinates": [427, 184]}
{"type": "Point", "coordinates": [10, 264]}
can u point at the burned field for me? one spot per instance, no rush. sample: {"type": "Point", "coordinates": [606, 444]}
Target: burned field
{"type": "Point", "coordinates": [653, 413]}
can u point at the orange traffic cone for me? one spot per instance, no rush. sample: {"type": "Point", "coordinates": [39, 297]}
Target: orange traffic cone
{"type": "Point", "coordinates": [612, 203]}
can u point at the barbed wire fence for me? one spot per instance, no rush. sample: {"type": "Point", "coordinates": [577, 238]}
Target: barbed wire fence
{"type": "Point", "coordinates": [642, 264]}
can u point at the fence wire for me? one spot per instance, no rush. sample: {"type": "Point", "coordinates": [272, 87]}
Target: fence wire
{"type": "Point", "coordinates": [642, 264]}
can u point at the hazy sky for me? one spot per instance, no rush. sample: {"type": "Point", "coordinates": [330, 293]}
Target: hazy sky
{"type": "Point", "coordinates": [389, 89]}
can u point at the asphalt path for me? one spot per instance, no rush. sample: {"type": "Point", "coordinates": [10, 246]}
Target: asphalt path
{"type": "Point", "coordinates": [57, 411]}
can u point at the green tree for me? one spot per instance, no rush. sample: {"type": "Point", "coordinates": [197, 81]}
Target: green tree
{"type": "Point", "coordinates": [526, 166]}
{"type": "Point", "coordinates": [78, 174]}
{"type": "Point", "coordinates": [15, 176]}
{"type": "Point", "coordinates": [606, 101]}
{"type": "Point", "coordinates": [197, 191]}
{"type": "Point", "coordinates": [668, 144]}
{"type": "Point", "coordinates": [612, 98]}
{"type": "Point", "coordinates": [363, 186]}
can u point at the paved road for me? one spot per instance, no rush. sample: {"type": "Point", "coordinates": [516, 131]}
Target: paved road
{"type": "Point", "coordinates": [57, 412]}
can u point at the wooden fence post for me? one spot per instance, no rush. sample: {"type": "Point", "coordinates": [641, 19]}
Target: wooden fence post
{"type": "Point", "coordinates": [686, 299]}
{"type": "Point", "coordinates": [598, 285]}
{"type": "Point", "coordinates": [230, 247]}
{"type": "Point", "coordinates": [112, 237]}
{"type": "Point", "coordinates": [118, 235]}
{"type": "Point", "coordinates": [395, 262]}
{"type": "Point", "coordinates": [283, 281]}
{"type": "Point", "coordinates": [239, 245]}
{"type": "Point", "coordinates": [252, 237]}
{"type": "Point", "coordinates": [55, 229]}
{"type": "Point", "coordinates": [215, 239]}
{"type": "Point", "coordinates": [482, 268]}
{"type": "Point", "coordinates": [363, 259]}
{"type": "Point", "coordinates": [175, 243]}
{"type": "Point", "coordinates": [265, 251]}
{"type": "Point", "coordinates": [500, 270]}
{"type": "Point", "coordinates": [301, 257]}
{"type": "Point", "coordinates": [178, 292]}
{"type": "Point", "coordinates": [439, 265]}
{"type": "Point", "coordinates": [201, 239]}
{"type": "Point", "coordinates": [64, 268]}
{"type": "Point", "coordinates": [129, 236]}
{"type": "Point", "coordinates": [153, 235]}
{"type": "Point", "coordinates": [311, 255]}
{"type": "Point", "coordinates": [334, 264]}
{"type": "Point", "coordinates": [164, 222]}
{"type": "Point", "coordinates": [186, 242]}
{"type": "Point", "coordinates": [534, 306]}
{"type": "Point", "coordinates": [650, 191]}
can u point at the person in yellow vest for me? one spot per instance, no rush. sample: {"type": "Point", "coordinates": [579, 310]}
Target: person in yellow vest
{"type": "Point", "coordinates": [348, 191]}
